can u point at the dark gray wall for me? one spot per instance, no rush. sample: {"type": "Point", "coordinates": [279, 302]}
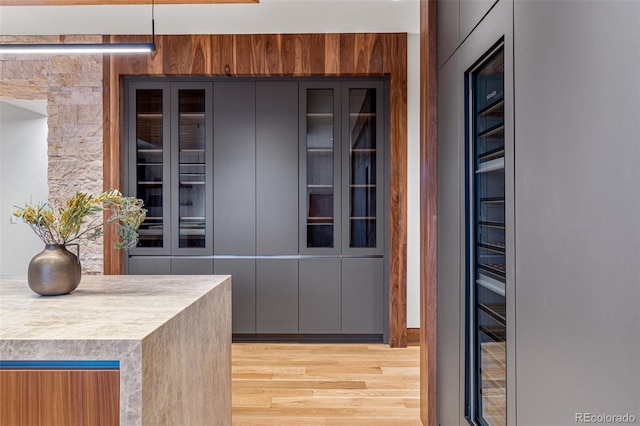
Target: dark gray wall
{"type": "Point", "coordinates": [577, 116]}
{"type": "Point", "coordinates": [450, 247]}
{"type": "Point", "coordinates": [575, 285]}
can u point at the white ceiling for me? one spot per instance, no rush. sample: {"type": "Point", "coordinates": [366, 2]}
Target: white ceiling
{"type": "Point", "coordinates": [269, 16]}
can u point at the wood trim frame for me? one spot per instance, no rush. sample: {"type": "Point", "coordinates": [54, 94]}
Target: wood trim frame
{"type": "Point", "coordinates": [362, 54]}
{"type": "Point", "coordinates": [413, 337]}
{"type": "Point", "coordinates": [428, 209]}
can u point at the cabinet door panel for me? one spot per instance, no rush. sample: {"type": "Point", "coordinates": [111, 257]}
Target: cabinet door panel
{"type": "Point", "coordinates": [362, 295]}
{"type": "Point", "coordinates": [149, 265]}
{"type": "Point", "coordinates": [471, 13]}
{"type": "Point", "coordinates": [148, 156]}
{"type": "Point", "coordinates": [191, 161]}
{"type": "Point", "coordinates": [362, 173]}
{"type": "Point", "coordinates": [320, 167]}
{"type": "Point", "coordinates": [448, 29]}
{"type": "Point", "coordinates": [234, 168]}
{"type": "Point", "coordinates": [277, 167]}
{"type": "Point", "coordinates": [243, 285]}
{"type": "Point", "coordinates": [320, 294]}
{"type": "Point", "coordinates": [277, 296]}
{"type": "Point", "coordinates": [191, 266]}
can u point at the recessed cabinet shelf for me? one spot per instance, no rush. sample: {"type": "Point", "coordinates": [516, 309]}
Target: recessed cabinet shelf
{"type": "Point", "coordinates": [497, 311]}
{"type": "Point", "coordinates": [491, 166]}
{"type": "Point", "coordinates": [497, 333]}
{"type": "Point", "coordinates": [492, 224]}
{"type": "Point", "coordinates": [496, 108]}
{"type": "Point", "coordinates": [492, 154]}
{"type": "Point", "coordinates": [493, 131]}
{"type": "Point", "coordinates": [495, 270]}
{"type": "Point", "coordinates": [495, 247]}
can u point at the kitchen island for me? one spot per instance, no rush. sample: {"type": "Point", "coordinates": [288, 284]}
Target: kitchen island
{"type": "Point", "coordinates": [165, 339]}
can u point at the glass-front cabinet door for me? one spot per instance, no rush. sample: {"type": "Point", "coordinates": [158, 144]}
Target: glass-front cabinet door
{"type": "Point", "coordinates": [192, 202]}
{"type": "Point", "coordinates": [362, 167]}
{"type": "Point", "coordinates": [169, 132]}
{"type": "Point", "coordinates": [149, 169]}
{"type": "Point", "coordinates": [487, 250]}
{"type": "Point", "coordinates": [319, 167]}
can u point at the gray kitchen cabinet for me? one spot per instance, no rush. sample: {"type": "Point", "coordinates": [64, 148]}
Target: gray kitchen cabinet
{"type": "Point", "coordinates": [243, 292]}
{"type": "Point", "coordinates": [234, 168]}
{"type": "Point", "coordinates": [320, 296]}
{"type": "Point", "coordinates": [362, 295]}
{"type": "Point", "coordinates": [561, 321]}
{"type": "Point", "coordinates": [362, 167]}
{"type": "Point", "coordinates": [185, 265]}
{"type": "Point", "coordinates": [450, 325]}
{"type": "Point", "coordinates": [143, 265]}
{"type": "Point", "coordinates": [276, 167]}
{"type": "Point", "coordinates": [280, 183]}
{"type": "Point", "coordinates": [472, 12]}
{"type": "Point", "coordinates": [342, 167]}
{"type": "Point", "coordinates": [148, 112]}
{"type": "Point", "coordinates": [320, 170]}
{"type": "Point", "coordinates": [448, 29]}
{"type": "Point", "coordinates": [170, 165]}
{"type": "Point", "coordinates": [191, 168]}
{"type": "Point", "coordinates": [277, 296]}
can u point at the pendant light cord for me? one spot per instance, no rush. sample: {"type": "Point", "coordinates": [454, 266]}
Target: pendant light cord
{"type": "Point", "coordinates": [153, 22]}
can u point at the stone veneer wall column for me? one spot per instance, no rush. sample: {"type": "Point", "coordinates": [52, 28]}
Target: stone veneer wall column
{"type": "Point", "coordinates": [72, 85]}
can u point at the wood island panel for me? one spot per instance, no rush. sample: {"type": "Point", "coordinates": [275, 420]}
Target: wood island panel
{"type": "Point", "coordinates": [59, 397]}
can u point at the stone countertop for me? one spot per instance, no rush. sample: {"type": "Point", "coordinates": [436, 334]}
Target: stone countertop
{"type": "Point", "coordinates": [103, 307]}
{"type": "Point", "coordinates": [171, 335]}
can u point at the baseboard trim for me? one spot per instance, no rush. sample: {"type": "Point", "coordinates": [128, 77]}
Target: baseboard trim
{"type": "Point", "coordinates": [413, 337]}
{"type": "Point", "coordinates": [307, 338]}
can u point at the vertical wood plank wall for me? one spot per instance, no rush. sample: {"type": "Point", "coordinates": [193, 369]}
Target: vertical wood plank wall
{"type": "Point", "coordinates": [303, 55]}
{"type": "Point", "coordinates": [428, 209]}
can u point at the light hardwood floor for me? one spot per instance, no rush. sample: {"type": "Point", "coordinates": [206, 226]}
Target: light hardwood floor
{"type": "Point", "coordinates": [325, 384]}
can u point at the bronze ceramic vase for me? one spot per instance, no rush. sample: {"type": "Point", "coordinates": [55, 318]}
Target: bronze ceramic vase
{"type": "Point", "coordinates": [54, 271]}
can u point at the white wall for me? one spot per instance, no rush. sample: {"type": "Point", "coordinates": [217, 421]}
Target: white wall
{"type": "Point", "coordinates": [413, 178]}
{"type": "Point", "coordinates": [23, 178]}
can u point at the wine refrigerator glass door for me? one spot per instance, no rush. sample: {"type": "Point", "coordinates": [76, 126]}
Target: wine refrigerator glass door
{"type": "Point", "coordinates": [486, 251]}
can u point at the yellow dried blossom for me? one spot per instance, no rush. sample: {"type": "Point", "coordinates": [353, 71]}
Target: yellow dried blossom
{"type": "Point", "coordinates": [82, 216]}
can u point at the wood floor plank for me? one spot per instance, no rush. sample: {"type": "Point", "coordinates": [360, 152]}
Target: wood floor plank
{"type": "Point", "coordinates": [325, 384]}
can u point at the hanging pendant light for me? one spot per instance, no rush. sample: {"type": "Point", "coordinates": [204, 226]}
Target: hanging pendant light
{"type": "Point", "coordinates": [80, 48]}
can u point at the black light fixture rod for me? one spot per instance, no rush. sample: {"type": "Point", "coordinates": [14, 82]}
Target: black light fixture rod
{"type": "Point", "coordinates": [79, 48]}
